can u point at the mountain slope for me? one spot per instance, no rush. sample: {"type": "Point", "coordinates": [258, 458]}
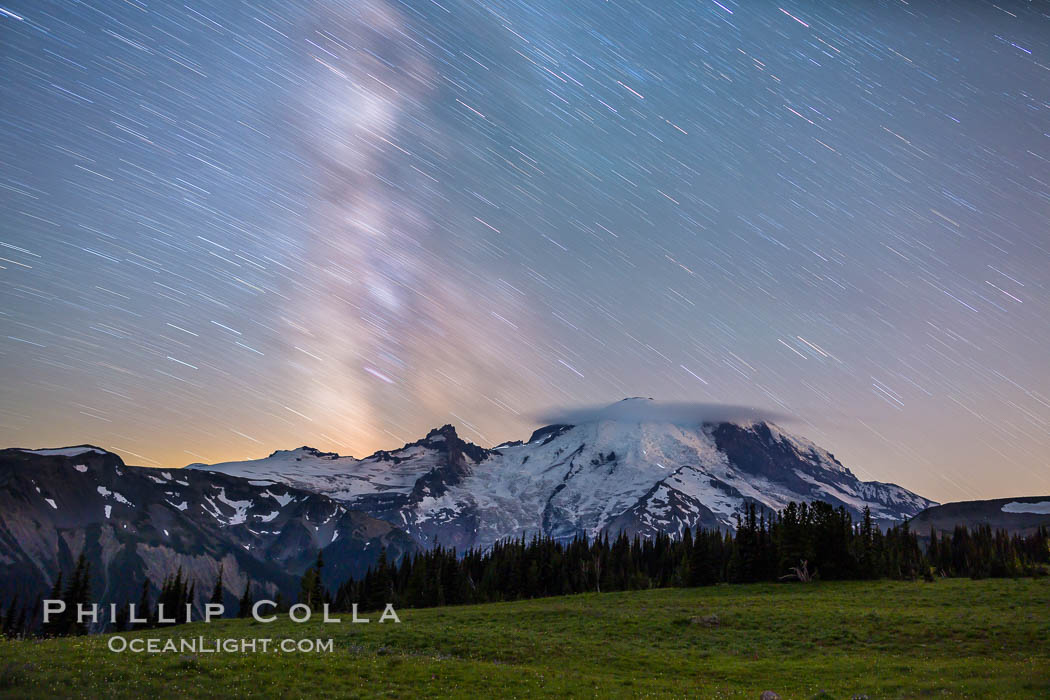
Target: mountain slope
{"type": "Point", "coordinates": [635, 473]}
{"type": "Point", "coordinates": [1022, 515]}
{"type": "Point", "coordinates": [133, 522]}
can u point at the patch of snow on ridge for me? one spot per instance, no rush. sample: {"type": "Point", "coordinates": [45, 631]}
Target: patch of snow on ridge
{"type": "Point", "coordinates": [283, 499]}
{"type": "Point", "coordinates": [1040, 508]}
{"type": "Point", "coordinates": [240, 508]}
{"type": "Point", "coordinates": [106, 493]}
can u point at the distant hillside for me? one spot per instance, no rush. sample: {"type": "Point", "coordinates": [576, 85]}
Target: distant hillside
{"type": "Point", "coordinates": [1022, 515]}
{"type": "Point", "coordinates": [135, 522]}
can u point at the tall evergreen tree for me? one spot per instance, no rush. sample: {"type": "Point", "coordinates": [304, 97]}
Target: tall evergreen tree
{"type": "Point", "coordinates": [57, 624]}
{"type": "Point", "coordinates": [144, 609]}
{"type": "Point", "coordinates": [216, 591]}
{"type": "Point", "coordinates": [311, 588]}
{"type": "Point", "coordinates": [244, 609]}
{"type": "Point", "coordinates": [77, 594]}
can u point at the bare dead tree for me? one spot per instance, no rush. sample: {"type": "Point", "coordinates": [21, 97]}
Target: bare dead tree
{"type": "Point", "coordinates": [799, 573]}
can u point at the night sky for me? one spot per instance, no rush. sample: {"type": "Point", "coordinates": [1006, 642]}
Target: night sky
{"type": "Point", "coordinates": [232, 227]}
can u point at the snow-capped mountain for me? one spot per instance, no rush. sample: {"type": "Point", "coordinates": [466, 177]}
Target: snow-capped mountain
{"type": "Point", "coordinates": [630, 467]}
{"type": "Point", "coordinates": [136, 522]}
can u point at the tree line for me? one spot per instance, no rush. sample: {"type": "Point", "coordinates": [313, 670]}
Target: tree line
{"type": "Point", "coordinates": [803, 542]}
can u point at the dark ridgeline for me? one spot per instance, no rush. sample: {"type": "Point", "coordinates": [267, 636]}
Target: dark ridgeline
{"type": "Point", "coordinates": [803, 542]}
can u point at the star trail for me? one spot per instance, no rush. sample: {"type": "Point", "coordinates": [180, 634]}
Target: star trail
{"type": "Point", "coordinates": [232, 227]}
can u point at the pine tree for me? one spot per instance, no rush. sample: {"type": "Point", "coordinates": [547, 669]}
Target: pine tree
{"type": "Point", "coordinates": [10, 618]}
{"type": "Point", "coordinates": [57, 624]}
{"type": "Point", "coordinates": [172, 597]}
{"type": "Point", "coordinates": [144, 611]}
{"type": "Point", "coordinates": [77, 593]}
{"type": "Point", "coordinates": [121, 623]}
{"type": "Point", "coordinates": [317, 592]}
{"type": "Point", "coordinates": [216, 591]}
{"type": "Point", "coordinates": [311, 589]}
{"type": "Point", "coordinates": [245, 607]}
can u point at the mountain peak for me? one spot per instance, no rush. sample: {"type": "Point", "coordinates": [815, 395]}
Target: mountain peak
{"type": "Point", "coordinates": [447, 431]}
{"type": "Point", "coordinates": [306, 450]}
{"type": "Point", "coordinates": [446, 439]}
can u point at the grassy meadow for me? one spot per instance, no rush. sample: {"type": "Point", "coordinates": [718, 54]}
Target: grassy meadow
{"type": "Point", "coordinates": [951, 638]}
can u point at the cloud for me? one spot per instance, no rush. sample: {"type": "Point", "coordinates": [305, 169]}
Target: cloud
{"type": "Point", "coordinates": [643, 410]}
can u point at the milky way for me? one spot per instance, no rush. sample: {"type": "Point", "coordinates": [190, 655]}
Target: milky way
{"type": "Point", "coordinates": [233, 227]}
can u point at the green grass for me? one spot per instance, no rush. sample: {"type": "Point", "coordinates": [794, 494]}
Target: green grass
{"type": "Point", "coordinates": [883, 639]}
